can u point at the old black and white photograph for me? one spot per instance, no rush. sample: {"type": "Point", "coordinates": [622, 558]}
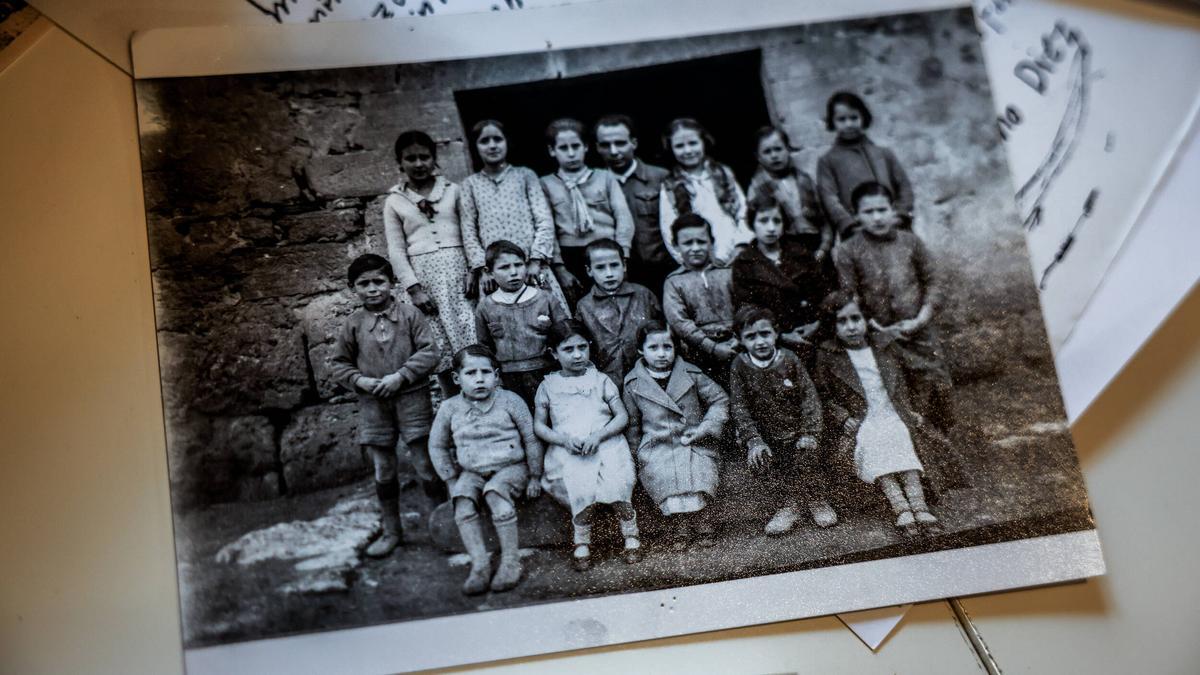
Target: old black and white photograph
{"type": "Point", "coordinates": [451, 338]}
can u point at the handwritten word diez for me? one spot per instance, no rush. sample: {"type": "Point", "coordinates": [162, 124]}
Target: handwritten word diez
{"type": "Point", "coordinates": [1057, 45]}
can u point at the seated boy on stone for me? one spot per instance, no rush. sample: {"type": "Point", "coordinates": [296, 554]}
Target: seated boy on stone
{"type": "Point", "coordinates": [385, 353]}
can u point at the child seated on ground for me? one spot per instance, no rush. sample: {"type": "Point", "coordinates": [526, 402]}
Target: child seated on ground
{"type": "Point", "coordinates": [900, 289]}
{"type": "Point", "coordinates": [483, 445]}
{"type": "Point", "coordinates": [867, 413]}
{"type": "Point", "coordinates": [777, 415]}
{"type": "Point", "coordinates": [579, 415]}
{"type": "Point", "coordinates": [513, 320]}
{"type": "Point", "coordinates": [385, 353]}
{"type": "Point", "coordinates": [697, 299]}
{"type": "Point", "coordinates": [614, 309]}
{"type": "Point", "coordinates": [781, 274]}
{"type": "Point", "coordinates": [676, 418]}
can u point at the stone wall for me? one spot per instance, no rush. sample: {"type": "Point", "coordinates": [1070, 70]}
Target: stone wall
{"type": "Point", "coordinates": [261, 189]}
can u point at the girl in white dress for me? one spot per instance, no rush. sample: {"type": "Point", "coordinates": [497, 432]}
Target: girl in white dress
{"type": "Point", "coordinates": [578, 413]}
{"type": "Point", "coordinates": [868, 414]}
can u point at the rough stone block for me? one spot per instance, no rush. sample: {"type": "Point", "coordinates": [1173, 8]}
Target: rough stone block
{"type": "Point", "coordinates": [252, 360]}
{"type": "Point", "coordinates": [319, 448]}
{"type": "Point", "coordinates": [288, 271]}
{"type": "Point", "coordinates": [221, 459]}
{"type": "Point", "coordinates": [321, 320]}
{"type": "Point", "coordinates": [359, 174]}
{"type": "Point", "coordinates": [321, 226]}
{"type": "Point", "coordinates": [327, 124]}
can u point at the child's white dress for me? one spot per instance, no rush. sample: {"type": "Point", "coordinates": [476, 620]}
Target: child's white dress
{"type": "Point", "coordinates": [884, 444]}
{"type": "Point", "coordinates": [578, 408]}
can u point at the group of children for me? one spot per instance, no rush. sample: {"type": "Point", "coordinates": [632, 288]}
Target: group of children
{"type": "Point", "coordinates": [817, 342]}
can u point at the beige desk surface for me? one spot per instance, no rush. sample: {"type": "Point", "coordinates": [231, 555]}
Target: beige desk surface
{"type": "Point", "coordinates": [87, 582]}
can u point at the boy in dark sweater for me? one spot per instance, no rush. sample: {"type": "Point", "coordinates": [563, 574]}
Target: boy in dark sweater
{"type": "Point", "coordinates": [614, 309]}
{"type": "Point", "coordinates": [899, 285]}
{"type": "Point", "coordinates": [385, 354]}
{"type": "Point", "coordinates": [513, 321]}
{"type": "Point", "coordinates": [777, 415]}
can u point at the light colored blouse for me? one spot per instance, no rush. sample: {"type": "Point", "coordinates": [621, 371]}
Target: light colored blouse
{"type": "Point", "coordinates": [508, 206]}
{"type": "Point", "coordinates": [728, 231]}
{"type": "Point", "coordinates": [410, 232]}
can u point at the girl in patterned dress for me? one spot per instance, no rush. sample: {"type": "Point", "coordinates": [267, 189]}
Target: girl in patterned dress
{"type": "Point", "coordinates": [505, 202]}
{"type": "Point", "coordinates": [424, 242]}
{"type": "Point", "coordinates": [578, 413]}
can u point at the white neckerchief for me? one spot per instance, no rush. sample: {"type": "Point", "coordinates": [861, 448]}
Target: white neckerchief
{"type": "Point", "coordinates": [583, 215]}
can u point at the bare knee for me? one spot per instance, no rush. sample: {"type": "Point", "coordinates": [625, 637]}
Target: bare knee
{"type": "Point", "coordinates": [464, 509]}
{"type": "Point", "coordinates": [501, 508]}
{"type": "Point", "coordinates": [384, 460]}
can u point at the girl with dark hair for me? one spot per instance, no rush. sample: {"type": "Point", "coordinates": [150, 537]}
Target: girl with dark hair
{"type": "Point", "coordinates": [778, 176]}
{"type": "Point", "coordinates": [869, 420]}
{"type": "Point", "coordinates": [502, 201]}
{"type": "Point", "coordinates": [677, 418]}
{"type": "Point", "coordinates": [854, 159]}
{"type": "Point", "coordinates": [424, 244]}
{"type": "Point", "coordinates": [699, 184]}
{"type": "Point", "coordinates": [579, 415]}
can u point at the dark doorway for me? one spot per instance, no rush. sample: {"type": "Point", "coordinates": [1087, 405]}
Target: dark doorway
{"type": "Point", "coordinates": [724, 92]}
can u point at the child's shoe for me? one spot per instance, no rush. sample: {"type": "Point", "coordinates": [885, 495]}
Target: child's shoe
{"type": "Point", "coordinates": [783, 520]}
{"type": "Point", "coordinates": [822, 513]}
{"type": "Point", "coordinates": [508, 573]}
{"type": "Point", "coordinates": [582, 559]}
{"type": "Point", "coordinates": [929, 523]}
{"type": "Point", "coordinates": [633, 550]}
{"type": "Point", "coordinates": [391, 536]}
{"type": "Point", "coordinates": [477, 580]}
{"type": "Point", "coordinates": [908, 523]}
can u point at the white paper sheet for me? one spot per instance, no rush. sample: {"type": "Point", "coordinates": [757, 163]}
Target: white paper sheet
{"type": "Point", "coordinates": [1093, 105]}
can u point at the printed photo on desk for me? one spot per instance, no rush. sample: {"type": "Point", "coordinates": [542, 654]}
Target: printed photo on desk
{"type": "Point", "coordinates": [494, 356]}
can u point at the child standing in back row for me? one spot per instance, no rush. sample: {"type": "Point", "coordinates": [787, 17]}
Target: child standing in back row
{"type": "Point", "coordinates": [579, 415]}
{"type": "Point", "coordinates": [588, 204]}
{"type": "Point", "coordinates": [778, 176]}
{"type": "Point", "coordinates": [513, 320]}
{"type": "Point", "coordinates": [895, 277]}
{"type": "Point", "coordinates": [701, 185]}
{"type": "Point", "coordinates": [385, 353]}
{"type": "Point", "coordinates": [853, 160]}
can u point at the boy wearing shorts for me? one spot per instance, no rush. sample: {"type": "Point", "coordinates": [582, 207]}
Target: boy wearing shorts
{"type": "Point", "coordinates": [385, 353]}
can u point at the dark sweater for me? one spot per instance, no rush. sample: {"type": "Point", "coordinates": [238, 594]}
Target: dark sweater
{"type": "Point", "coordinates": [793, 289]}
{"type": "Point", "coordinates": [846, 165]}
{"type": "Point", "coordinates": [777, 404]}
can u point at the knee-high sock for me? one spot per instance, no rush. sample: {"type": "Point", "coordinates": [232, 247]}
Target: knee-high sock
{"type": "Point", "coordinates": [913, 491]}
{"type": "Point", "coordinates": [895, 496]}
{"type": "Point", "coordinates": [506, 532]}
{"type": "Point", "coordinates": [470, 528]}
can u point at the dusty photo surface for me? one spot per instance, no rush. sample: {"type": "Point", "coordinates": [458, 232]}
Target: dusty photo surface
{"type": "Point", "coordinates": [262, 189]}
